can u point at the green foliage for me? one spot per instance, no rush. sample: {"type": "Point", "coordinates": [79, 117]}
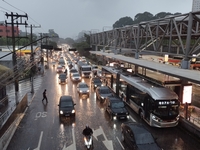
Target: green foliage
{"type": "Point", "coordinates": [69, 41]}
{"type": "Point", "coordinates": [146, 16]}
{"type": "Point", "coordinates": [18, 41]}
{"type": "Point", "coordinates": [54, 44]}
{"type": "Point", "coordinates": [123, 22]}
{"type": "Point", "coordinates": [140, 17]}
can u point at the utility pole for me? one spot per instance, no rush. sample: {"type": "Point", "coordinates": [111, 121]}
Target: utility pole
{"type": "Point", "coordinates": [12, 23]}
{"type": "Point", "coordinates": [32, 57]}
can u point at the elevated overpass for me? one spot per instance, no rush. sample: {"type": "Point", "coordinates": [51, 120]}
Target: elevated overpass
{"type": "Point", "coordinates": [175, 35]}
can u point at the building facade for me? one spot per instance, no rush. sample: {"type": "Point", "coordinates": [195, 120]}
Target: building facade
{"type": "Point", "coordinates": [196, 5]}
{"type": "Point", "coordinates": [7, 30]}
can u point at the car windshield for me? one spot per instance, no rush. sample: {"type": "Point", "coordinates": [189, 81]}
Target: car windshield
{"type": "Point", "coordinates": [74, 70]}
{"type": "Point", "coordinates": [66, 104]}
{"type": "Point", "coordinates": [97, 80]}
{"type": "Point", "coordinates": [117, 105]}
{"type": "Point", "coordinates": [144, 138]}
{"type": "Point", "coordinates": [76, 75]}
{"type": "Point", "coordinates": [83, 86]}
{"type": "Point", "coordinates": [105, 91]}
{"type": "Point", "coordinates": [62, 76]}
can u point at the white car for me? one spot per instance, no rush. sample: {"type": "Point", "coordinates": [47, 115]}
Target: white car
{"type": "Point", "coordinates": [83, 88]}
{"type": "Point", "coordinates": [75, 76]}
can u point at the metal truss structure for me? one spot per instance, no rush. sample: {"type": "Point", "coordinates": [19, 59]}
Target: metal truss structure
{"type": "Point", "coordinates": [173, 35]}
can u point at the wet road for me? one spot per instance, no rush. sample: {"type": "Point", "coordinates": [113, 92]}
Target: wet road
{"type": "Point", "coordinates": [41, 128]}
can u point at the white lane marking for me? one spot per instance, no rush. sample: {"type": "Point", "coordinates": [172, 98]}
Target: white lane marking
{"type": "Point", "coordinates": [40, 140]}
{"type": "Point", "coordinates": [120, 143]}
{"type": "Point", "coordinates": [106, 142]}
{"type": "Point", "coordinates": [73, 145]}
{"type": "Point", "coordinates": [132, 119]}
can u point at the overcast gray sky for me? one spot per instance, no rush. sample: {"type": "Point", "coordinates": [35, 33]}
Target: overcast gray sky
{"type": "Point", "coordinates": [69, 17]}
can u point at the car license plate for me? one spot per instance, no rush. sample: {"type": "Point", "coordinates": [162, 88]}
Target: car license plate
{"type": "Point", "coordinates": [122, 117]}
{"type": "Point", "coordinates": [66, 115]}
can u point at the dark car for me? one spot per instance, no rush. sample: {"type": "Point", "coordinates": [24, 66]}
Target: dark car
{"type": "Point", "coordinates": [62, 77]}
{"type": "Point", "coordinates": [73, 70]}
{"type": "Point", "coordinates": [103, 92]}
{"type": "Point", "coordinates": [66, 106]}
{"type": "Point", "coordinates": [116, 108]}
{"type": "Point", "coordinates": [137, 137]}
{"type": "Point", "coordinates": [96, 82]}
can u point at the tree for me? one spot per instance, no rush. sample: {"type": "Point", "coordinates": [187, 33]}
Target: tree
{"type": "Point", "coordinates": [123, 22]}
{"type": "Point", "coordinates": [162, 15]}
{"type": "Point", "coordinates": [69, 41]}
{"type": "Point", "coordinates": [146, 16]}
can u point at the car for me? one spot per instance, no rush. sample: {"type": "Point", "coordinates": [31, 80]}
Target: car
{"type": "Point", "coordinates": [60, 69]}
{"type": "Point", "coordinates": [66, 106]}
{"type": "Point", "coordinates": [53, 63]}
{"type": "Point", "coordinates": [103, 92]}
{"type": "Point", "coordinates": [62, 77]}
{"type": "Point", "coordinates": [99, 73]}
{"type": "Point", "coordinates": [83, 88]}
{"type": "Point", "coordinates": [137, 137]}
{"type": "Point", "coordinates": [75, 77]}
{"type": "Point", "coordinates": [116, 108]}
{"type": "Point", "coordinates": [71, 71]}
{"type": "Point", "coordinates": [96, 82]}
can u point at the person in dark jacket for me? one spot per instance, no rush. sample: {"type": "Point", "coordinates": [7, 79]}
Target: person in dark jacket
{"type": "Point", "coordinates": [45, 96]}
{"type": "Point", "coordinates": [87, 131]}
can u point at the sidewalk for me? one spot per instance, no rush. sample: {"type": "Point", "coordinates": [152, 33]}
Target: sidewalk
{"type": "Point", "coordinates": [15, 97]}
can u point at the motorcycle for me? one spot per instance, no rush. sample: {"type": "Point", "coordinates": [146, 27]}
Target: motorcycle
{"type": "Point", "coordinates": [88, 142]}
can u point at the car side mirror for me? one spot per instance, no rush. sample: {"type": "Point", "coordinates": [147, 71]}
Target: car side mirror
{"type": "Point", "coordinates": [58, 105]}
{"type": "Point", "coordinates": [74, 104]}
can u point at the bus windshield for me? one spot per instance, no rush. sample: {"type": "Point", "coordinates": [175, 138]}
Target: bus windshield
{"type": "Point", "coordinates": [166, 111]}
{"type": "Point", "coordinates": [86, 69]}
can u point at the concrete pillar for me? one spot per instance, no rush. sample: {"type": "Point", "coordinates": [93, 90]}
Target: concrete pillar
{"type": "Point", "coordinates": [136, 55]}
{"type": "Point", "coordinates": [185, 64]}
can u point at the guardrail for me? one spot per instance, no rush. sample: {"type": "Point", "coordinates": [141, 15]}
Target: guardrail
{"type": "Point", "coordinates": [4, 117]}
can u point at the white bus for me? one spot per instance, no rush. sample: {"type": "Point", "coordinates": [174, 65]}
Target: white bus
{"type": "Point", "coordinates": [157, 105]}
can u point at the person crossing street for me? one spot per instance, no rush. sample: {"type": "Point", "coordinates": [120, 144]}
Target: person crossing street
{"type": "Point", "coordinates": [45, 96]}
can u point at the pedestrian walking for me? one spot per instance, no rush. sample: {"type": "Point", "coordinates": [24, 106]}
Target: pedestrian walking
{"type": "Point", "coordinates": [45, 96]}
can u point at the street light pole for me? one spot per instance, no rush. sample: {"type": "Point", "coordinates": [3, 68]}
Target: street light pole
{"type": "Point", "coordinates": [32, 58]}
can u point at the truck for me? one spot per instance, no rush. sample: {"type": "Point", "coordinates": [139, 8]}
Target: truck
{"type": "Point", "coordinates": [84, 69]}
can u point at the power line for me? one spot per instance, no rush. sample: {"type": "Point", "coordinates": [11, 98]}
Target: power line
{"type": "Point", "coordinates": [5, 9]}
{"type": "Point", "coordinates": [13, 6]}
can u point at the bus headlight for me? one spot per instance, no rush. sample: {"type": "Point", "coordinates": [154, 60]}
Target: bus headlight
{"type": "Point", "coordinates": [114, 118]}
{"type": "Point", "coordinates": [73, 111]}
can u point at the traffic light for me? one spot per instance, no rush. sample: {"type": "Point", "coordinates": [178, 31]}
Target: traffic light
{"type": "Point", "coordinates": [88, 49]}
{"type": "Point", "coordinates": [57, 49]}
{"type": "Point", "coordinates": [72, 49]}
{"type": "Point", "coordinates": [50, 47]}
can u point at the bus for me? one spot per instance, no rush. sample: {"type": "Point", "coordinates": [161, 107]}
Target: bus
{"type": "Point", "coordinates": [156, 105]}
{"type": "Point", "coordinates": [84, 69]}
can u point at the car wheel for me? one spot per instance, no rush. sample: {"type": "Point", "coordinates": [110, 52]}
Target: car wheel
{"type": "Point", "coordinates": [123, 139]}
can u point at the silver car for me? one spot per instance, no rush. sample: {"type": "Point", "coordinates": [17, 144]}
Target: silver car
{"type": "Point", "coordinates": [75, 77]}
{"type": "Point", "coordinates": [83, 88]}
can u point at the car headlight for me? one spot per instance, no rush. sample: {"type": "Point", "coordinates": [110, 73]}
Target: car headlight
{"type": "Point", "coordinates": [102, 97]}
{"type": "Point", "coordinates": [73, 111]}
{"type": "Point", "coordinates": [61, 112]}
{"type": "Point", "coordinates": [95, 85]}
{"type": "Point", "coordinates": [81, 91]}
{"type": "Point", "coordinates": [87, 90]}
{"type": "Point", "coordinates": [114, 118]}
